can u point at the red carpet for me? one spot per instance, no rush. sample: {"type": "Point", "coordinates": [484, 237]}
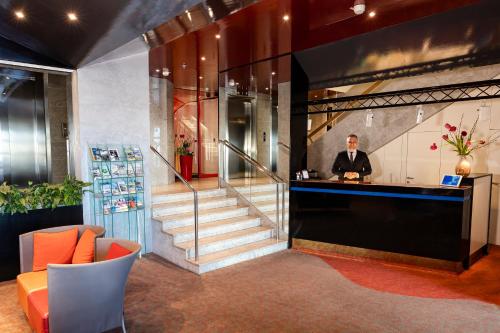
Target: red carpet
{"type": "Point", "coordinates": [480, 282]}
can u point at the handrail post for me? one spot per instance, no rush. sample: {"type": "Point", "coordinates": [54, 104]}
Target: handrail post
{"type": "Point", "coordinates": [277, 211]}
{"type": "Point", "coordinates": [196, 254]}
{"type": "Point", "coordinates": [283, 207]}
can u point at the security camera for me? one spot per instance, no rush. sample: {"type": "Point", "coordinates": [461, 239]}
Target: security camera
{"type": "Point", "coordinates": [359, 7]}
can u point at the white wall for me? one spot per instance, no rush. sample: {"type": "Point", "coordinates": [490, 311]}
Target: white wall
{"type": "Point", "coordinates": [409, 155]}
{"type": "Point", "coordinates": [111, 106]}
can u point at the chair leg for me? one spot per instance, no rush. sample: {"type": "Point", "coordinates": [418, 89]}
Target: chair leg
{"type": "Point", "coordinates": [124, 330]}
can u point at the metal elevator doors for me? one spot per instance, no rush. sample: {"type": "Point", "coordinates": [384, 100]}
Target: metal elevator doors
{"type": "Point", "coordinates": [23, 152]}
{"type": "Point", "coordinates": [241, 133]}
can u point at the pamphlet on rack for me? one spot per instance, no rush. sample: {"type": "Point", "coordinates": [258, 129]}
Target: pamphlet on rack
{"type": "Point", "coordinates": [114, 154]}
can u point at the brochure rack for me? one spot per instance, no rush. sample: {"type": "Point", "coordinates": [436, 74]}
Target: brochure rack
{"type": "Point", "coordinates": [117, 172]}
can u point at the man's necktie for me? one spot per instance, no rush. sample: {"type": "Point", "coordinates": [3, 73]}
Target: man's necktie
{"type": "Point", "coordinates": [352, 160]}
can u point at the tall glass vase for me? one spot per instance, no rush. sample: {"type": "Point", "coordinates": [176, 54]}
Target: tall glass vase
{"type": "Point", "coordinates": [463, 166]}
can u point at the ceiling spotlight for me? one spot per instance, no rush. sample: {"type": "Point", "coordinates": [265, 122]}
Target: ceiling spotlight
{"type": "Point", "coordinates": [286, 17]}
{"type": "Point", "coordinates": [237, 83]}
{"type": "Point", "coordinates": [203, 58]}
{"type": "Point", "coordinates": [206, 89]}
{"type": "Point", "coordinates": [372, 14]}
{"type": "Point", "coordinates": [273, 73]}
{"type": "Point", "coordinates": [166, 71]}
{"type": "Point", "coordinates": [267, 88]}
{"type": "Point", "coordinates": [72, 16]}
{"type": "Point", "coordinates": [359, 7]}
{"type": "Point", "coordinates": [231, 82]}
{"type": "Point", "coordinates": [19, 14]}
{"type": "Point", "coordinates": [200, 77]}
{"type": "Point", "coordinates": [157, 70]}
{"type": "Point", "coordinates": [217, 36]}
{"type": "Point", "coordinates": [184, 65]}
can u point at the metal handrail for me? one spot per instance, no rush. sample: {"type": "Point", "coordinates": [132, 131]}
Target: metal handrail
{"type": "Point", "coordinates": [263, 169]}
{"type": "Point", "coordinates": [251, 160]}
{"type": "Point", "coordinates": [195, 199]}
{"type": "Point", "coordinates": [283, 145]}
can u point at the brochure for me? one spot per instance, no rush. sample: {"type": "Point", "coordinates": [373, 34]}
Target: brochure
{"type": "Point", "coordinates": [118, 170]}
{"type": "Point", "coordinates": [96, 172]}
{"type": "Point", "coordinates": [131, 186]}
{"type": "Point", "coordinates": [104, 155]}
{"type": "Point", "coordinates": [106, 189]}
{"type": "Point", "coordinates": [138, 170]}
{"type": "Point", "coordinates": [138, 186]}
{"type": "Point", "coordinates": [115, 189]}
{"type": "Point", "coordinates": [96, 154]}
{"type": "Point", "coordinates": [130, 170]}
{"type": "Point", "coordinates": [129, 153]}
{"type": "Point", "coordinates": [137, 153]}
{"type": "Point", "coordinates": [119, 205]}
{"type": "Point", "coordinates": [106, 207]}
{"type": "Point", "coordinates": [123, 187]}
{"type": "Point", "coordinates": [105, 171]}
{"type": "Point", "coordinates": [114, 155]}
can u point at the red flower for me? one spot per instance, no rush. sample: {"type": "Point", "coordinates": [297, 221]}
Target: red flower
{"type": "Point", "coordinates": [464, 133]}
{"type": "Point", "coordinates": [447, 126]}
{"type": "Point", "coordinates": [482, 142]}
{"type": "Point", "coordinates": [468, 143]}
{"type": "Point", "coordinates": [434, 146]}
{"type": "Point", "coordinates": [445, 137]}
{"type": "Point", "coordinates": [453, 129]}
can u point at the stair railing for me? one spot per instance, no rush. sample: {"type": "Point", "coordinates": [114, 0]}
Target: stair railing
{"type": "Point", "coordinates": [195, 198]}
{"type": "Point", "coordinates": [223, 145]}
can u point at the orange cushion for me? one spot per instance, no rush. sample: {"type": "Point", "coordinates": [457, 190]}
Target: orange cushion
{"type": "Point", "coordinates": [38, 309]}
{"type": "Point", "coordinates": [28, 283]}
{"type": "Point", "coordinates": [84, 251]}
{"type": "Point", "coordinates": [116, 251]}
{"type": "Point", "coordinates": [53, 248]}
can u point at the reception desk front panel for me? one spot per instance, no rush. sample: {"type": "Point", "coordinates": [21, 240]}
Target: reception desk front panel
{"type": "Point", "coordinates": [423, 221]}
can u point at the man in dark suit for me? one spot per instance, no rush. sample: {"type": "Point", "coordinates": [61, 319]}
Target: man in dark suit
{"type": "Point", "coordinates": [352, 164]}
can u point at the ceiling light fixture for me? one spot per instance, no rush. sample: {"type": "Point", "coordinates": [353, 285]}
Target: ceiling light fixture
{"type": "Point", "coordinates": [201, 77]}
{"type": "Point", "coordinates": [166, 71]}
{"type": "Point", "coordinates": [203, 58]}
{"type": "Point", "coordinates": [217, 36]}
{"type": "Point", "coordinates": [72, 16]}
{"type": "Point", "coordinates": [286, 17]}
{"type": "Point", "coordinates": [372, 14]}
{"type": "Point", "coordinates": [359, 7]}
{"type": "Point", "coordinates": [157, 70]}
{"type": "Point", "coordinates": [273, 73]}
{"type": "Point", "coordinates": [19, 14]}
{"type": "Point", "coordinates": [210, 12]}
{"type": "Point", "coordinates": [267, 88]}
{"type": "Point", "coordinates": [188, 15]}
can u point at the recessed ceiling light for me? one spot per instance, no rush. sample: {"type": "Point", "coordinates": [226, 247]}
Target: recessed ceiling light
{"type": "Point", "coordinates": [273, 73]}
{"type": "Point", "coordinates": [203, 58]}
{"type": "Point", "coordinates": [217, 36]}
{"type": "Point", "coordinates": [315, 96]}
{"type": "Point", "coordinates": [201, 77]}
{"type": "Point", "coordinates": [157, 70]}
{"type": "Point", "coordinates": [372, 14]}
{"type": "Point", "coordinates": [267, 88]}
{"type": "Point", "coordinates": [72, 16]}
{"type": "Point", "coordinates": [286, 17]}
{"type": "Point", "coordinates": [19, 14]}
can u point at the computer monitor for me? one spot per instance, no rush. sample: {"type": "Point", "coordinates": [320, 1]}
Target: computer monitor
{"type": "Point", "coordinates": [451, 180]}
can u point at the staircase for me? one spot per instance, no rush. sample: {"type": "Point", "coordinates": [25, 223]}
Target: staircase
{"type": "Point", "coordinates": [228, 233]}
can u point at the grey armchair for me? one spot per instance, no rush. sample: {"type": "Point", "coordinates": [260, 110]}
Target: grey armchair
{"type": "Point", "coordinates": [89, 298]}
{"type": "Point", "coordinates": [26, 242]}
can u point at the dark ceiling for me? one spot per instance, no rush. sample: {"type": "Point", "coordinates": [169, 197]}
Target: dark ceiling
{"type": "Point", "coordinates": [102, 26]}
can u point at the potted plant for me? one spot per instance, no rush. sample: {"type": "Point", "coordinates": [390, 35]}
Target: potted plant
{"type": "Point", "coordinates": [186, 158]}
{"type": "Point", "coordinates": [32, 208]}
{"type": "Point", "coordinates": [463, 143]}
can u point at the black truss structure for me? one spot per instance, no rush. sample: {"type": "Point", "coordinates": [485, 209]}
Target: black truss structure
{"type": "Point", "coordinates": [428, 95]}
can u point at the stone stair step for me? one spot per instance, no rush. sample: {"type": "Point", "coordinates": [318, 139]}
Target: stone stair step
{"type": "Point", "coordinates": [159, 198]}
{"type": "Point", "coordinates": [186, 233]}
{"type": "Point", "coordinates": [238, 254]}
{"type": "Point", "coordinates": [178, 207]}
{"type": "Point", "coordinates": [270, 205]}
{"type": "Point", "coordinates": [264, 196]}
{"type": "Point", "coordinates": [226, 241]}
{"type": "Point", "coordinates": [204, 216]}
{"type": "Point", "coordinates": [257, 188]}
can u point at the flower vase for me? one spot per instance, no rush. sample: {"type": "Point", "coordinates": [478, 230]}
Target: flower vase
{"type": "Point", "coordinates": [463, 166]}
{"type": "Point", "coordinates": [187, 167]}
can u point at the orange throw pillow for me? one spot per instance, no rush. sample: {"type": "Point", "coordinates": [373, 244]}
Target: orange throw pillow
{"type": "Point", "coordinates": [84, 252]}
{"type": "Point", "coordinates": [116, 251]}
{"type": "Point", "coordinates": [53, 248]}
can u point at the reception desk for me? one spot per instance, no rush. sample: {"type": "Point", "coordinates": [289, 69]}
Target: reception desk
{"type": "Point", "coordinates": [430, 222]}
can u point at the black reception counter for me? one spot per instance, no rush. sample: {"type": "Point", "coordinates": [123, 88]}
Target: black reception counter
{"type": "Point", "coordinates": [424, 221]}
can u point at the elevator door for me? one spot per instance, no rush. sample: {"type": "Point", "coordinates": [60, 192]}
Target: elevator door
{"type": "Point", "coordinates": [241, 133]}
{"type": "Point", "coordinates": [23, 153]}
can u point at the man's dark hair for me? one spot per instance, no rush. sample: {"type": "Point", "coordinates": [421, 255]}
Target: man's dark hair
{"type": "Point", "coordinates": [353, 136]}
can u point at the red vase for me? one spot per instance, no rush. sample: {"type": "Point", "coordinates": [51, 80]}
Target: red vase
{"type": "Point", "coordinates": [187, 167]}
